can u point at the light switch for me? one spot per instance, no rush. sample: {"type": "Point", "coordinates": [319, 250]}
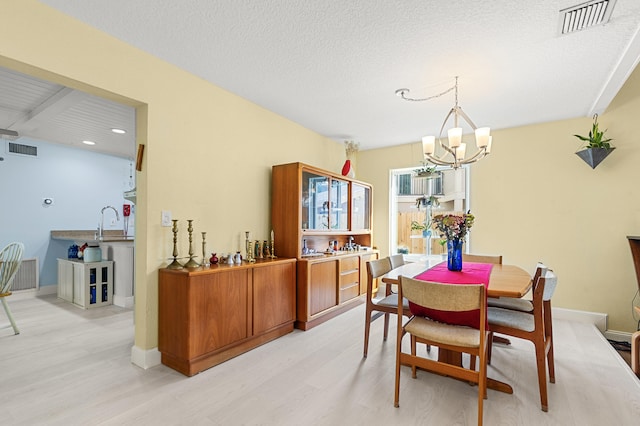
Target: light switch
{"type": "Point", "coordinates": [166, 218]}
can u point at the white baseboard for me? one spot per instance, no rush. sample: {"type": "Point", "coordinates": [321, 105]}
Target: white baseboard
{"type": "Point", "coordinates": [145, 358]}
{"type": "Point", "coordinates": [123, 301]}
{"type": "Point", "coordinates": [618, 336]}
{"type": "Point", "coordinates": [596, 318]}
{"type": "Point", "coordinates": [42, 291]}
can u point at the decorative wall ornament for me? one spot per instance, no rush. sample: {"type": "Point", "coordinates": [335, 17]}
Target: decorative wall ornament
{"type": "Point", "coordinates": [351, 149]}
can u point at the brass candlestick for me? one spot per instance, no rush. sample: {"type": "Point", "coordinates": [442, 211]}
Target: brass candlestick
{"type": "Point", "coordinates": [205, 259]}
{"type": "Point", "coordinates": [192, 262]}
{"type": "Point", "coordinates": [249, 249]}
{"type": "Point", "coordinates": [175, 264]}
{"type": "Point", "coordinates": [273, 251]}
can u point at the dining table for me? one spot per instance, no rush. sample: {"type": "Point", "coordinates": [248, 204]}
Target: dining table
{"type": "Point", "coordinates": [504, 281]}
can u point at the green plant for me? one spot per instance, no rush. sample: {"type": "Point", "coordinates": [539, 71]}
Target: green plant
{"type": "Point", "coordinates": [417, 226]}
{"type": "Point", "coordinates": [425, 201]}
{"type": "Point", "coordinates": [596, 137]}
{"type": "Point", "coordinates": [425, 169]}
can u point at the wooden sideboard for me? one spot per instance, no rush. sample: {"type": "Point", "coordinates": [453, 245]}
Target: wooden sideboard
{"type": "Point", "coordinates": [208, 315]}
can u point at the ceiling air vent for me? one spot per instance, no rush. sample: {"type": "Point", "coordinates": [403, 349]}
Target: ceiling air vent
{"type": "Point", "coordinates": [585, 15]}
{"type": "Point", "coordinates": [16, 148]}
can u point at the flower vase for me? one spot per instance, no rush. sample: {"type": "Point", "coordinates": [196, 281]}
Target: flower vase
{"type": "Point", "coordinates": [454, 255]}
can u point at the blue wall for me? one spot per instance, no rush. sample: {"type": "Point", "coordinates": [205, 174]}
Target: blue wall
{"type": "Point", "coordinates": [79, 181]}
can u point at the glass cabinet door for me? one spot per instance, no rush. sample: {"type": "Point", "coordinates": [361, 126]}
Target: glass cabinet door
{"type": "Point", "coordinates": [339, 205]}
{"type": "Point", "coordinates": [361, 203]}
{"type": "Point", "coordinates": [315, 201]}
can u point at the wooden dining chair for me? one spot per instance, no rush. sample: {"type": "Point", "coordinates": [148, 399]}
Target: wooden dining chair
{"type": "Point", "coordinates": [522, 304]}
{"type": "Point", "coordinates": [396, 260]}
{"type": "Point", "coordinates": [447, 337]}
{"type": "Point", "coordinates": [386, 305]}
{"type": "Point", "coordinates": [535, 326]}
{"type": "Point", "coordinates": [481, 258]}
{"type": "Point", "coordinates": [10, 260]}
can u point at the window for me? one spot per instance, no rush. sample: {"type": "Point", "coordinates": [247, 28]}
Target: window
{"type": "Point", "coordinates": [415, 200]}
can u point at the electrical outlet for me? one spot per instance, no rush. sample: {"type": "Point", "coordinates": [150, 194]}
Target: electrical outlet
{"type": "Point", "coordinates": [166, 218]}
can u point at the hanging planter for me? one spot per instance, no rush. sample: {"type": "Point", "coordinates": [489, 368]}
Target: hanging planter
{"type": "Point", "coordinates": [594, 156]}
{"type": "Point", "coordinates": [426, 171]}
{"type": "Point", "coordinates": [597, 147]}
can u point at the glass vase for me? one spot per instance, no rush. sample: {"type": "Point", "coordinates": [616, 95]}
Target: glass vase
{"type": "Point", "coordinates": [454, 255]}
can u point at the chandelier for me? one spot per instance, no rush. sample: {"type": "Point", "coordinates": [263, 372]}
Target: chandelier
{"type": "Point", "coordinates": [455, 151]}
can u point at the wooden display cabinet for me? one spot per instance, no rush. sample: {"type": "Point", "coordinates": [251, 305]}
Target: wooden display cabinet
{"type": "Point", "coordinates": [208, 315]}
{"type": "Point", "coordinates": [312, 208]}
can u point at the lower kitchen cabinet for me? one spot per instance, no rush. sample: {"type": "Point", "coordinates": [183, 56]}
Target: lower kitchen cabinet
{"type": "Point", "coordinates": [208, 315]}
{"type": "Point", "coordinates": [88, 285]}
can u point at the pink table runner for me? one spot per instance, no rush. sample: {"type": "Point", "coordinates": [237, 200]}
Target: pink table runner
{"type": "Point", "coordinates": [472, 273]}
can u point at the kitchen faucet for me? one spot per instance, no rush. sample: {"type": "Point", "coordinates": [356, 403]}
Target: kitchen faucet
{"type": "Point", "coordinates": [101, 230]}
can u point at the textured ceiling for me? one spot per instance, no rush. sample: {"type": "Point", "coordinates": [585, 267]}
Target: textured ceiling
{"type": "Point", "coordinates": [334, 65]}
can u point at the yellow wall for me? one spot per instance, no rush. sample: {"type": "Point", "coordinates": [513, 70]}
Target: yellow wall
{"type": "Point", "coordinates": [534, 199]}
{"type": "Point", "coordinates": [208, 153]}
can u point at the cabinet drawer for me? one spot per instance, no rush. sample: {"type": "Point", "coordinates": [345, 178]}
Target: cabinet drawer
{"type": "Point", "coordinates": [349, 263]}
{"type": "Point", "coordinates": [349, 279]}
{"type": "Point", "coordinates": [349, 292]}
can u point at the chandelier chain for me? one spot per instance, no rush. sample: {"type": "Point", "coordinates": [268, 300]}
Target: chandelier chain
{"type": "Point", "coordinates": [401, 93]}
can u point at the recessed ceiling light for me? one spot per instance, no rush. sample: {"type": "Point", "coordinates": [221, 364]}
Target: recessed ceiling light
{"type": "Point", "coordinates": [119, 131]}
{"type": "Point", "coordinates": [88, 142]}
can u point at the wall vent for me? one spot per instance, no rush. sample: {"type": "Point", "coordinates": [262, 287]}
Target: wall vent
{"type": "Point", "coordinates": [585, 15]}
{"type": "Point", "coordinates": [17, 148]}
{"type": "Point", "coordinates": [27, 276]}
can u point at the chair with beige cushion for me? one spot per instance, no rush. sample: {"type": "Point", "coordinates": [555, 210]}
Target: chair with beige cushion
{"type": "Point", "coordinates": [482, 258]}
{"type": "Point", "coordinates": [448, 298]}
{"type": "Point", "coordinates": [386, 305]}
{"type": "Point", "coordinates": [514, 303]}
{"type": "Point", "coordinates": [10, 260]}
{"type": "Point", "coordinates": [396, 260]}
{"type": "Point", "coordinates": [535, 326]}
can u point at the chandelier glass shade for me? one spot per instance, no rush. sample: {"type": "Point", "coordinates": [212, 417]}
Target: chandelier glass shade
{"type": "Point", "coordinates": [454, 151]}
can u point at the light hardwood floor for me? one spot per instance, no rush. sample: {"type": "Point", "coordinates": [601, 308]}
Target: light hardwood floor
{"type": "Point", "coordinates": [72, 367]}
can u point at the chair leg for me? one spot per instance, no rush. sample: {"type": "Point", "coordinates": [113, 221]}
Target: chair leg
{"type": "Point", "coordinates": [489, 347]}
{"type": "Point", "coordinates": [548, 331]}
{"type": "Point", "coordinates": [399, 335]}
{"type": "Point", "coordinates": [472, 362]}
{"type": "Point", "coordinates": [386, 326]}
{"type": "Point", "coordinates": [367, 326]}
{"type": "Point", "coordinates": [542, 373]}
{"type": "Point", "coordinates": [8, 311]}
{"type": "Point", "coordinates": [413, 353]}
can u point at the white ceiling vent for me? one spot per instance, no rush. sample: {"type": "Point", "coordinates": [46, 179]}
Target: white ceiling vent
{"type": "Point", "coordinates": [585, 15]}
{"type": "Point", "coordinates": [20, 149]}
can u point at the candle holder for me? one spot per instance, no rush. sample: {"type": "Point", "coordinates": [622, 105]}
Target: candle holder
{"type": "Point", "coordinates": [191, 263]}
{"type": "Point", "coordinates": [273, 251]}
{"type": "Point", "coordinates": [205, 260]}
{"type": "Point", "coordinates": [249, 249]}
{"type": "Point", "coordinates": [175, 264]}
